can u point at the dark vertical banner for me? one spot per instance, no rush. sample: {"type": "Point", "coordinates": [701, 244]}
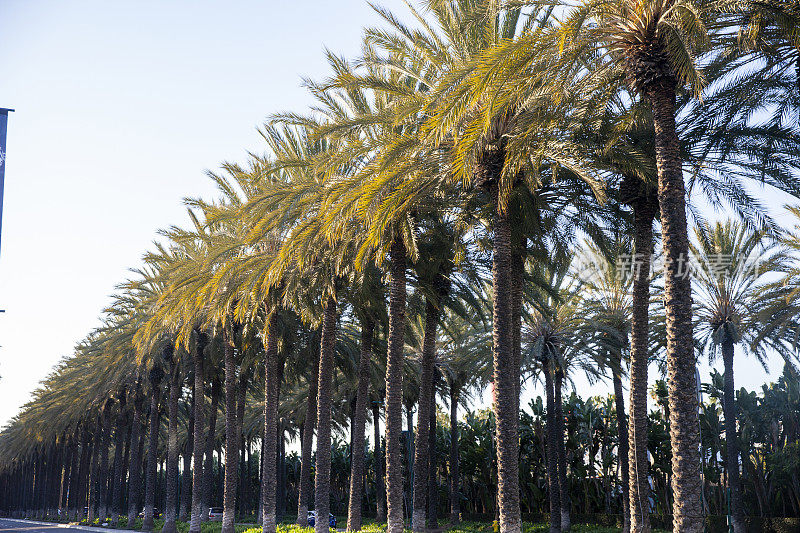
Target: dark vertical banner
{"type": "Point", "coordinates": [3, 126]}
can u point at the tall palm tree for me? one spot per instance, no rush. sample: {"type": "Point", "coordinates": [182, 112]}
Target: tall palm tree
{"type": "Point", "coordinates": [322, 477]}
{"type": "Point", "coordinates": [644, 203]}
{"type": "Point", "coordinates": [368, 302]}
{"type": "Point", "coordinates": [608, 305]}
{"type": "Point", "coordinates": [309, 423]}
{"type": "Point", "coordinates": [175, 381]}
{"type": "Point", "coordinates": [731, 283]}
{"type": "Point", "coordinates": [135, 468]}
{"type": "Point", "coordinates": [556, 340]}
{"type": "Point", "coordinates": [155, 375]}
{"type": "Point", "coordinates": [466, 363]}
{"type": "Point", "coordinates": [654, 43]}
{"type": "Point", "coordinates": [394, 384]}
{"type": "Point", "coordinates": [433, 270]}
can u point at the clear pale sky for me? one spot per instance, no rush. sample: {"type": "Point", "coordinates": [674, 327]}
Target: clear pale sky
{"type": "Point", "coordinates": [120, 107]}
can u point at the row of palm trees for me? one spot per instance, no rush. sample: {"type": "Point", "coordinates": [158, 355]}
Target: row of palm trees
{"type": "Point", "coordinates": [463, 154]}
{"type": "Point", "coordinates": [768, 437]}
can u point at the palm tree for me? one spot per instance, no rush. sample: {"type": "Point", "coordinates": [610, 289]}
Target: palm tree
{"type": "Point", "coordinates": [557, 338]}
{"type": "Point", "coordinates": [652, 44]}
{"type": "Point", "coordinates": [608, 305]}
{"type": "Point", "coordinates": [394, 384]}
{"type": "Point", "coordinates": [644, 203]}
{"type": "Point", "coordinates": [199, 344]}
{"type": "Point", "coordinates": [155, 375]}
{"type": "Point", "coordinates": [369, 305]}
{"type": "Point", "coordinates": [135, 468]}
{"type": "Point", "coordinates": [465, 363]}
{"type": "Point", "coordinates": [309, 423]}
{"type": "Point", "coordinates": [731, 281]}
{"type": "Point", "coordinates": [433, 272]}
{"type": "Point", "coordinates": [322, 477]}
{"type": "Point", "coordinates": [175, 382]}
{"type": "Point", "coordinates": [655, 42]}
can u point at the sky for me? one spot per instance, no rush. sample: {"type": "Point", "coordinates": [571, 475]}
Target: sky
{"type": "Point", "coordinates": [120, 109]}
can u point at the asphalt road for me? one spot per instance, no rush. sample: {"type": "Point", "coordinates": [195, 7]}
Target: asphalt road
{"type": "Point", "coordinates": [7, 525]}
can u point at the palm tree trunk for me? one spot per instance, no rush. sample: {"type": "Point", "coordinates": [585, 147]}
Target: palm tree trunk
{"type": "Point", "coordinates": [281, 497]}
{"type": "Point", "coordinates": [731, 440]}
{"type": "Point", "coordinates": [421, 451]}
{"type": "Point", "coordinates": [433, 483]}
{"type": "Point", "coordinates": [57, 471]}
{"type": "Point", "coordinates": [102, 492]}
{"type": "Point", "coordinates": [64, 489]}
{"type": "Point", "coordinates": [639, 491]}
{"type": "Point", "coordinates": [94, 469]}
{"type": "Point", "coordinates": [76, 501]}
{"type": "Point", "coordinates": [505, 377]}
{"type": "Point", "coordinates": [171, 504]}
{"type": "Point", "coordinates": [310, 423]}
{"type": "Point", "coordinates": [55, 478]}
{"type": "Point", "coordinates": [199, 423]}
{"type": "Point", "coordinates": [563, 485]}
{"type": "Point", "coordinates": [135, 468]}
{"type": "Point", "coordinates": [322, 478]}
{"type": "Point", "coordinates": [409, 479]}
{"type": "Point", "coordinates": [241, 399]}
{"type": "Point", "coordinates": [231, 436]}
{"type": "Point", "coordinates": [72, 485]}
{"type": "Point", "coordinates": [380, 486]}
{"type": "Point", "coordinates": [554, 490]}
{"type": "Point", "coordinates": [681, 363]}
{"type": "Point", "coordinates": [152, 450]}
{"type": "Point", "coordinates": [517, 272]}
{"type": "Point", "coordinates": [45, 458]}
{"type": "Point", "coordinates": [358, 427]}
{"type": "Point", "coordinates": [622, 450]}
{"type": "Point", "coordinates": [186, 479]}
{"type": "Point", "coordinates": [455, 511]}
{"type": "Point", "coordinates": [211, 439]}
{"type": "Point", "coordinates": [46, 482]}
{"type": "Point", "coordinates": [126, 458]}
{"type": "Point", "coordinates": [268, 447]}
{"type": "Point", "coordinates": [394, 386]}
{"type": "Point", "coordinates": [119, 467]}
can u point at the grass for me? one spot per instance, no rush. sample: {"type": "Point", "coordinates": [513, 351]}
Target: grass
{"type": "Point", "coordinates": [369, 526]}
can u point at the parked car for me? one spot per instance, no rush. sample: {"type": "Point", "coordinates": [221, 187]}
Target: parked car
{"type": "Point", "coordinates": [215, 514]}
{"type": "Point", "coordinates": [156, 513]}
{"type": "Point", "coordinates": [312, 519]}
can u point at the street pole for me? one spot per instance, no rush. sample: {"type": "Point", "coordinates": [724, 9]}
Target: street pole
{"type": "Point", "coordinates": [3, 125]}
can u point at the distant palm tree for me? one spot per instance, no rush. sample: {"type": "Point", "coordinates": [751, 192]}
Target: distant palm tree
{"type": "Point", "coordinates": [466, 363]}
{"type": "Point", "coordinates": [558, 339]}
{"type": "Point", "coordinates": [608, 305]}
{"type": "Point", "coordinates": [734, 269]}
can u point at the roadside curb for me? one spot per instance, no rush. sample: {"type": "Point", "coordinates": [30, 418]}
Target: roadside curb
{"type": "Point", "coordinates": [69, 526]}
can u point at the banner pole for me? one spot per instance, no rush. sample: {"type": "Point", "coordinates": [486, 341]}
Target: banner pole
{"type": "Point", "coordinates": [3, 126]}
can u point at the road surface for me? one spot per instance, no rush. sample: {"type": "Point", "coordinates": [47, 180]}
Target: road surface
{"type": "Point", "coordinates": [30, 526]}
